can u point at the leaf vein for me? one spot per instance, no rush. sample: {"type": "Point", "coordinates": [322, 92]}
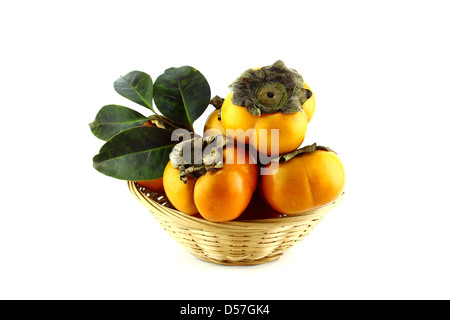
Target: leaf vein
{"type": "Point", "coordinates": [139, 95]}
{"type": "Point", "coordinates": [184, 102]}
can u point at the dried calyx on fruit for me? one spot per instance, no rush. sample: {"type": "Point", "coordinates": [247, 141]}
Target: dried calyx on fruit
{"type": "Point", "coordinates": [270, 89]}
{"type": "Point", "coordinates": [196, 156]}
{"type": "Point", "coordinates": [308, 149]}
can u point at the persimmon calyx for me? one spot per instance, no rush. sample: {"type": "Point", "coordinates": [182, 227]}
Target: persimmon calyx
{"type": "Point", "coordinates": [308, 149]}
{"type": "Point", "coordinates": [196, 156]}
{"type": "Point", "coordinates": [270, 89]}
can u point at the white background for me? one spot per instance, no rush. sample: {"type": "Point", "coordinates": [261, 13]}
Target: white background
{"type": "Point", "coordinates": [380, 72]}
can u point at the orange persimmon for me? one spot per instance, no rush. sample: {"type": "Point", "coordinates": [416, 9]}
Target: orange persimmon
{"type": "Point", "coordinates": [312, 177]}
{"type": "Point", "coordinates": [265, 109]}
{"type": "Point", "coordinates": [219, 194]}
{"type": "Point", "coordinates": [213, 125]}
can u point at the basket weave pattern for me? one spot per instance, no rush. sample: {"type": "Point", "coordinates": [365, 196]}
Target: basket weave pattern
{"type": "Point", "coordinates": [235, 242]}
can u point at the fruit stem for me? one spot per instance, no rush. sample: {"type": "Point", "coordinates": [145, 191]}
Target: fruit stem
{"type": "Point", "coordinates": [217, 102]}
{"type": "Point", "coordinates": [171, 124]}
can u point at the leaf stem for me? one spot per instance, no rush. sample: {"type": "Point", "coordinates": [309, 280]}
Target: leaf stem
{"type": "Point", "coordinates": [171, 124]}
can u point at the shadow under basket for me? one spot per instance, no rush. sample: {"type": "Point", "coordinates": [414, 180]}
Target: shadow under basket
{"type": "Point", "coordinates": [247, 242]}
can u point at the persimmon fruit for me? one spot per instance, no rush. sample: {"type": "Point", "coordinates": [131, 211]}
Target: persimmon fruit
{"type": "Point", "coordinates": [308, 180]}
{"type": "Point", "coordinates": [213, 125]}
{"type": "Point", "coordinates": [218, 195]}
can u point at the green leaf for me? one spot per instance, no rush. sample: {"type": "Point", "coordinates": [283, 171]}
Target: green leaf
{"type": "Point", "coordinates": [112, 119]}
{"type": "Point", "coordinates": [139, 153]}
{"type": "Point", "coordinates": [136, 86]}
{"type": "Point", "coordinates": [182, 94]}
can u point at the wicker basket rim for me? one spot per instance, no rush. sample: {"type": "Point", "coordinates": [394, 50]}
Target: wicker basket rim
{"type": "Point", "coordinates": [289, 219]}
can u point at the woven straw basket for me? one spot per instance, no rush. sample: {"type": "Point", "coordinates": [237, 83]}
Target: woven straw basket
{"type": "Point", "coordinates": [235, 242]}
